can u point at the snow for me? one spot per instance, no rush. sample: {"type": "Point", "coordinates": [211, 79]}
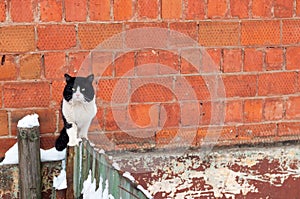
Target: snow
{"type": "Point", "coordinates": [128, 176]}
{"type": "Point", "coordinates": [147, 194]}
{"type": "Point", "coordinates": [60, 182]}
{"type": "Point", "coordinates": [116, 166]}
{"type": "Point", "coordinates": [29, 121]}
{"type": "Point", "coordinates": [89, 189]}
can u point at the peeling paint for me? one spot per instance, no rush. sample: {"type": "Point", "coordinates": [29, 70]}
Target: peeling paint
{"type": "Point", "coordinates": [224, 173]}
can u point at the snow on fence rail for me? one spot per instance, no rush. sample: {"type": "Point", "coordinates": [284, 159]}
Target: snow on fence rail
{"type": "Point", "coordinates": [95, 176]}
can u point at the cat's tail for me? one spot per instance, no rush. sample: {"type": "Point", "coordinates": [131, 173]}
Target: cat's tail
{"type": "Point", "coordinates": [62, 141]}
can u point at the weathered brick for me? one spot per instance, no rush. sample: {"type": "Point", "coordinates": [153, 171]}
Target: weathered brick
{"type": "Point", "coordinates": [22, 12]}
{"type": "Point", "coordinates": [100, 10]}
{"type": "Point", "coordinates": [232, 60]}
{"type": "Point", "coordinates": [122, 10]}
{"type": "Point", "coordinates": [56, 37]}
{"type": "Point", "coordinates": [79, 64]}
{"type": "Point", "coordinates": [3, 123]}
{"type": "Point", "coordinates": [212, 113]}
{"type": "Point", "coordinates": [2, 11]}
{"type": "Point", "coordinates": [51, 10]}
{"type": "Point", "coordinates": [186, 108]}
{"type": "Point", "coordinates": [92, 35]}
{"type": "Point", "coordinates": [8, 68]}
{"type": "Point", "coordinates": [174, 138]}
{"type": "Point", "coordinates": [274, 59]}
{"type": "Point", "coordinates": [215, 33]}
{"type": "Point", "coordinates": [194, 9]}
{"type": "Point", "coordinates": [169, 62]}
{"type": "Point", "coordinates": [22, 95]}
{"type": "Point", "coordinates": [262, 8]}
{"type": "Point", "coordinates": [170, 115]}
{"type": "Point", "coordinates": [216, 8]}
{"type": "Point", "coordinates": [219, 134]}
{"type": "Point", "coordinates": [147, 9]}
{"type": "Point", "coordinates": [195, 85]}
{"type": "Point", "coordinates": [273, 109]}
{"type": "Point", "coordinates": [17, 39]}
{"type": "Point", "coordinates": [288, 129]}
{"type": "Point", "coordinates": [239, 8]}
{"type": "Point", "coordinates": [211, 60]}
{"type": "Point", "coordinates": [260, 32]}
{"type": "Point", "coordinates": [115, 118]}
{"type": "Point", "coordinates": [291, 31]}
{"type": "Point", "coordinates": [30, 66]}
{"type": "Point", "coordinates": [47, 119]}
{"type": "Point", "coordinates": [103, 140]}
{"type": "Point", "coordinates": [102, 64]}
{"type": "Point", "coordinates": [55, 65]}
{"type": "Point", "coordinates": [253, 110]}
{"type": "Point", "coordinates": [283, 8]}
{"type": "Point", "coordinates": [293, 58]}
{"type": "Point", "coordinates": [253, 60]}
{"type": "Point", "coordinates": [133, 140]}
{"type": "Point", "coordinates": [171, 9]}
{"type": "Point", "coordinates": [147, 57]}
{"type": "Point", "coordinates": [76, 10]}
{"type": "Point", "coordinates": [6, 143]}
{"type": "Point", "coordinates": [293, 108]}
{"type": "Point", "coordinates": [277, 83]}
{"type": "Point", "coordinates": [240, 85]}
{"type": "Point", "coordinates": [124, 65]}
{"type": "Point", "coordinates": [234, 111]}
{"type": "Point", "coordinates": [257, 130]}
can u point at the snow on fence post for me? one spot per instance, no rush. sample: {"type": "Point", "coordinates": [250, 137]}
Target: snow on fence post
{"type": "Point", "coordinates": [29, 157]}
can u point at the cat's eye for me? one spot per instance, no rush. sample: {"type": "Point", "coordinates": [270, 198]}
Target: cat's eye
{"type": "Point", "coordinates": [73, 89]}
{"type": "Point", "coordinates": [83, 89]}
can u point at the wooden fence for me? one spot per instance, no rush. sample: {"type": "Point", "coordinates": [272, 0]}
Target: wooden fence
{"type": "Point", "coordinates": [86, 158]}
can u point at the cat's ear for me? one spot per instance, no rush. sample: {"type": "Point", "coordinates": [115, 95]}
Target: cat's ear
{"type": "Point", "coordinates": [68, 77]}
{"type": "Point", "coordinates": [90, 78]}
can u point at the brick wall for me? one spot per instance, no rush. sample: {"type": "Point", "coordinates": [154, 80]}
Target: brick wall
{"type": "Point", "coordinates": [254, 44]}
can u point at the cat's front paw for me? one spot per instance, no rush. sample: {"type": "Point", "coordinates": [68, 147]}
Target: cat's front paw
{"type": "Point", "coordinates": [74, 142]}
{"type": "Point", "coordinates": [72, 133]}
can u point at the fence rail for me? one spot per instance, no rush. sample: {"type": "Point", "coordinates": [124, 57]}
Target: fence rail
{"type": "Point", "coordinates": [88, 159]}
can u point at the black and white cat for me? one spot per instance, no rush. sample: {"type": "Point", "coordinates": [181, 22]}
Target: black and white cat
{"type": "Point", "coordinates": [78, 110]}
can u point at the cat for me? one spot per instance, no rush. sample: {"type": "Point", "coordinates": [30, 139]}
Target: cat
{"type": "Point", "coordinates": [78, 109]}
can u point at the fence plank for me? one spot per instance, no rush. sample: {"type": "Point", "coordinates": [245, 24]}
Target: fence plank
{"type": "Point", "coordinates": [70, 172]}
{"type": "Point", "coordinates": [29, 162]}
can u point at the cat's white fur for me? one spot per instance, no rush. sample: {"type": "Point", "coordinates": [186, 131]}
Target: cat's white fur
{"type": "Point", "coordinates": [79, 113]}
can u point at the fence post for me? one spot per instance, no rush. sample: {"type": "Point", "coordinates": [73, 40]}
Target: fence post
{"type": "Point", "coordinates": [29, 162]}
{"type": "Point", "coordinates": [70, 172]}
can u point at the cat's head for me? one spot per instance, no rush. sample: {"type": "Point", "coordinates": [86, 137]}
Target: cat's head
{"type": "Point", "coordinates": [79, 89]}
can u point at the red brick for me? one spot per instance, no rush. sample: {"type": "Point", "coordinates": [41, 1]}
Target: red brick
{"type": "Point", "coordinates": [47, 119]}
{"type": "Point", "coordinates": [260, 32]}
{"type": "Point", "coordinates": [283, 8]}
{"type": "Point", "coordinates": [291, 31]}
{"type": "Point", "coordinates": [289, 129]}
{"type": "Point", "coordinates": [97, 123]}
{"type": "Point", "coordinates": [80, 64]}
{"type": "Point", "coordinates": [102, 64]}
{"type": "Point", "coordinates": [240, 85]}
{"type": "Point", "coordinates": [169, 115]}
{"type": "Point", "coordinates": [6, 143]}
{"type": "Point", "coordinates": [212, 113]}
{"type": "Point", "coordinates": [134, 25]}
{"type": "Point", "coordinates": [232, 60]}
{"type": "Point", "coordinates": [220, 134]}
{"type": "Point", "coordinates": [56, 37]}
{"type": "Point", "coordinates": [144, 115]}
{"type": "Point", "coordinates": [297, 7]}
{"type": "Point", "coordinates": [22, 95]}
{"type": "Point", "coordinates": [30, 66]}
{"type": "Point", "coordinates": [51, 10]}
{"type": "Point", "coordinates": [194, 9]}
{"type": "Point", "coordinates": [147, 57]}
{"type": "Point", "coordinates": [171, 9]}
{"type": "Point", "coordinates": [22, 11]}
{"type": "Point", "coordinates": [234, 112]}
{"type": "Point", "coordinates": [116, 118]}
{"type": "Point", "coordinates": [258, 130]}
{"type": "Point", "coordinates": [187, 28]}
{"type": "Point", "coordinates": [76, 10]}
{"type": "Point", "coordinates": [57, 88]}
{"type": "Point", "coordinates": [215, 33]}
{"type": "Point", "coordinates": [124, 65]}
{"type": "Point", "coordinates": [47, 141]}
{"type": "Point", "coordinates": [8, 69]}
{"type": "Point", "coordinates": [174, 138]}
{"type": "Point", "coordinates": [253, 60]}
{"type": "Point", "coordinates": [292, 58]}
{"type": "Point", "coordinates": [17, 39]}
{"type": "Point", "coordinates": [193, 85]}
{"type": "Point", "coordinates": [188, 108]}
{"type": "Point", "coordinates": [122, 10]}
{"type": "Point", "coordinates": [274, 59]}
{"type": "Point", "coordinates": [108, 87]}
{"type": "Point", "coordinates": [216, 8]}
{"type": "Point", "coordinates": [273, 109]}
{"type": "Point", "coordinates": [3, 123]}
{"type": "Point", "coordinates": [165, 136]}
{"type": "Point", "coordinates": [277, 83]}
{"type": "Point", "coordinates": [169, 62]}
{"type": "Point", "coordinates": [92, 35]}
{"type": "Point", "coordinates": [147, 9]}
{"type": "Point", "coordinates": [186, 67]}
{"type": "Point", "coordinates": [102, 141]}
{"type": "Point", "coordinates": [262, 8]}
{"type": "Point", "coordinates": [2, 11]}
{"type": "Point", "coordinates": [55, 65]}
{"type": "Point", "coordinates": [100, 10]}
{"type": "Point", "coordinates": [293, 108]}
{"type": "Point", "coordinates": [138, 139]}
{"type": "Point", "coordinates": [239, 8]}
{"type": "Point", "coordinates": [211, 60]}
{"type": "Point", "coordinates": [253, 110]}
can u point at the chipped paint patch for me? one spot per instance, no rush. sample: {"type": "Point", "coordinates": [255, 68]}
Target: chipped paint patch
{"type": "Point", "coordinates": [224, 173]}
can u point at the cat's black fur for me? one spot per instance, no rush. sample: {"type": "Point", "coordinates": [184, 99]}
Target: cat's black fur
{"type": "Point", "coordinates": [78, 108]}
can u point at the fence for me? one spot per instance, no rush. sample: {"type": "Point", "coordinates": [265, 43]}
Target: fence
{"type": "Point", "coordinates": [89, 160]}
